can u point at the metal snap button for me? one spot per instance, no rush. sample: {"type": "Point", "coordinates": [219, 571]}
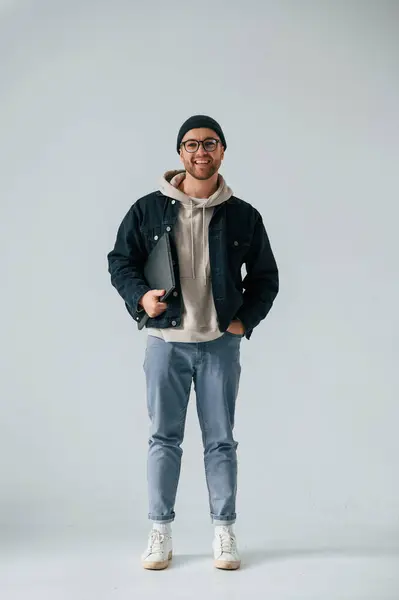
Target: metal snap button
{"type": "Point", "coordinates": [175, 293]}
{"type": "Point", "coordinates": [236, 243]}
{"type": "Point", "coordinates": [155, 237]}
{"type": "Point", "coordinates": [168, 228]}
{"type": "Point", "coordinates": [174, 323]}
{"type": "Point", "coordinates": [173, 201]}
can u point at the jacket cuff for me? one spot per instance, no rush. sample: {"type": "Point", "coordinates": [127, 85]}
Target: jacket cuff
{"type": "Point", "coordinates": [139, 292]}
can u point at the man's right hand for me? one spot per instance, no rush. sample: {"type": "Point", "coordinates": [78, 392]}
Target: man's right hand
{"type": "Point", "coordinates": [150, 303]}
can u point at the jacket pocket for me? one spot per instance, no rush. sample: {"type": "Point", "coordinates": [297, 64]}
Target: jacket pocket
{"type": "Point", "coordinates": [151, 236]}
{"type": "Point", "coordinates": [238, 247]}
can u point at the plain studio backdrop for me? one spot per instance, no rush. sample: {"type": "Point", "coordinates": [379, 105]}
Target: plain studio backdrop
{"type": "Point", "coordinates": [92, 96]}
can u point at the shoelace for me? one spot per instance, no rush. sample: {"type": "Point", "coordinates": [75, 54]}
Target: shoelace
{"type": "Point", "coordinates": [156, 540]}
{"type": "Point", "coordinates": [227, 541]}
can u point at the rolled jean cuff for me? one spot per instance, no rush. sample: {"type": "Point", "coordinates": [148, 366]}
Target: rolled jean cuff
{"type": "Point", "coordinates": [221, 521]}
{"type": "Point", "coordinates": [162, 519]}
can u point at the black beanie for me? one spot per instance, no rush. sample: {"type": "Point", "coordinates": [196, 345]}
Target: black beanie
{"type": "Point", "coordinates": [200, 121]}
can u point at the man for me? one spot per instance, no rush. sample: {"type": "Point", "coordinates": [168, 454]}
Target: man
{"type": "Point", "coordinates": [196, 335]}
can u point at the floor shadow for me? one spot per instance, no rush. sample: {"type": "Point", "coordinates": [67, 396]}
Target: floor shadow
{"type": "Point", "coordinates": [181, 560]}
{"type": "Point", "coordinates": [256, 556]}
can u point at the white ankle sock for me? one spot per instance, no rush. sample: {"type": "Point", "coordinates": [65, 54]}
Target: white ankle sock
{"type": "Point", "coordinates": [218, 528]}
{"type": "Point", "coordinates": [163, 527]}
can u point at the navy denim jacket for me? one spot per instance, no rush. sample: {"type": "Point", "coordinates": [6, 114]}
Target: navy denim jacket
{"type": "Point", "coordinates": [237, 236]}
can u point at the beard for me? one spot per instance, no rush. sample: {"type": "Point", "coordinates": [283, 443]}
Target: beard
{"type": "Point", "coordinates": [201, 173]}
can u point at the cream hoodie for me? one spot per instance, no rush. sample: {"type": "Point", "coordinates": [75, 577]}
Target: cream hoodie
{"type": "Point", "coordinates": [199, 320]}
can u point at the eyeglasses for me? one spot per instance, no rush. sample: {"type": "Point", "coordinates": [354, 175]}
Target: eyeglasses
{"type": "Point", "coordinates": [209, 145]}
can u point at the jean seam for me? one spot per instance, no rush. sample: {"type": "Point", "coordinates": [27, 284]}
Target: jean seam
{"type": "Point", "coordinates": [181, 432]}
{"type": "Point", "coordinates": [204, 445]}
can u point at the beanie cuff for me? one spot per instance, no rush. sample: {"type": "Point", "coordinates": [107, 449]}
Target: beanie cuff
{"type": "Point", "coordinates": [196, 122]}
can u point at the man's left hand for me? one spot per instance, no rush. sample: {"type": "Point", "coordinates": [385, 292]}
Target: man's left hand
{"type": "Point", "coordinates": [236, 327]}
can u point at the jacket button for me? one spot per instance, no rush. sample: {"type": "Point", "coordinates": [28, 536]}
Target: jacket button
{"type": "Point", "coordinates": [175, 293]}
{"type": "Point", "coordinates": [137, 318]}
{"type": "Point", "coordinates": [173, 201]}
{"type": "Point", "coordinates": [174, 323]}
{"type": "Point", "coordinates": [155, 237]}
{"type": "Point", "coordinates": [168, 228]}
{"type": "Point", "coordinates": [236, 243]}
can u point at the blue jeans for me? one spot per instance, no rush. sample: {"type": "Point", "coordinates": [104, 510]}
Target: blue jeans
{"type": "Point", "coordinates": [215, 368]}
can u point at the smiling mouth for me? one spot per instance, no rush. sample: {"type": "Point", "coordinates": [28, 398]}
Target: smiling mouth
{"type": "Point", "coordinates": [202, 163]}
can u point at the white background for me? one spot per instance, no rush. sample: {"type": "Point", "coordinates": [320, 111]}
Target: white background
{"type": "Point", "coordinates": [92, 96]}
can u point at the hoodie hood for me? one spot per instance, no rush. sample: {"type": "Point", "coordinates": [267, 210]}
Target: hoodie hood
{"type": "Point", "coordinates": [169, 186]}
{"type": "Point", "coordinates": [171, 180]}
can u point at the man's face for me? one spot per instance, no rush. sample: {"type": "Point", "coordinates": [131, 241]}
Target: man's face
{"type": "Point", "coordinates": [202, 164]}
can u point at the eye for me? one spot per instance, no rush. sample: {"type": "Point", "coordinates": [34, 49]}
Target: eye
{"type": "Point", "coordinates": [210, 144]}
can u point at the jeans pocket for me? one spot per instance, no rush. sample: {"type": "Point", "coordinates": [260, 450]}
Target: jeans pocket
{"type": "Point", "coordinates": [235, 335]}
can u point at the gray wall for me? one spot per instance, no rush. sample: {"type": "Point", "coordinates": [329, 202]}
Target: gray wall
{"type": "Point", "coordinates": [92, 96]}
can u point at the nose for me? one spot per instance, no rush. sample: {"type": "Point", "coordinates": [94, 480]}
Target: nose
{"type": "Point", "coordinates": [201, 150]}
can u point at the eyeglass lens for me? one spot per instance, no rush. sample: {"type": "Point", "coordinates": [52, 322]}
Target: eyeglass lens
{"type": "Point", "coordinates": [193, 145]}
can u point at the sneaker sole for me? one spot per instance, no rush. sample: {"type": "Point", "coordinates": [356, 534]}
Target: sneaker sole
{"type": "Point", "coordinates": [230, 565]}
{"type": "Point", "coordinates": [157, 565]}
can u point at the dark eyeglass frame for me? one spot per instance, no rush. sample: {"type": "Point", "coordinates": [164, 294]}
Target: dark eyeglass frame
{"type": "Point", "coordinates": [198, 142]}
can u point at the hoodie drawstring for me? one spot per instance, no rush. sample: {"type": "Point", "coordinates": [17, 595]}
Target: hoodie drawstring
{"type": "Point", "coordinates": [192, 240]}
{"type": "Point", "coordinates": [170, 187]}
{"type": "Point", "coordinates": [203, 241]}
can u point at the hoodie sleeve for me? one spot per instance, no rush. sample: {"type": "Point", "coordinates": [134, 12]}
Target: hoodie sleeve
{"type": "Point", "coordinates": [126, 262]}
{"type": "Point", "coordinates": [261, 283]}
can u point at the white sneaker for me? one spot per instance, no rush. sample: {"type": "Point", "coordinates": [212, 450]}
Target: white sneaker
{"type": "Point", "coordinates": [159, 551]}
{"type": "Point", "coordinates": [225, 550]}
